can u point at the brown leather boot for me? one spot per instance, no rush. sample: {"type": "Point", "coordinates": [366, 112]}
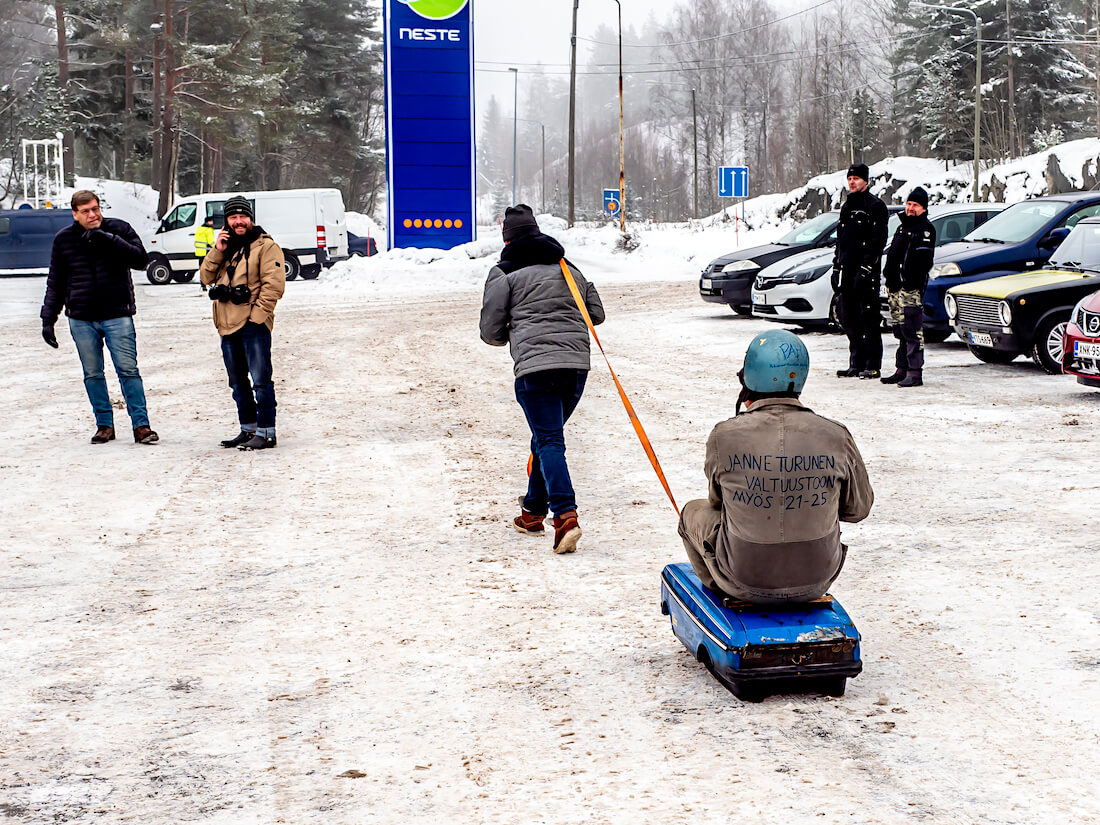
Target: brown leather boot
{"type": "Point", "coordinates": [103, 435]}
{"type": "Point", "coordinates": [529, 523]}
{"type": "Point", "coordinates": [145, 435]}
{"type": "Point", "coordinates": [566, 532]}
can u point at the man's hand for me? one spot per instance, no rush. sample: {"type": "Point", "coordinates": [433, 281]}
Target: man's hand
{"type": "Point", "coordinates": [222, 243]}
{"type": "Point", "coordinates": [100, 235]}
{"type": "Point", "coordinates": [48, 334]}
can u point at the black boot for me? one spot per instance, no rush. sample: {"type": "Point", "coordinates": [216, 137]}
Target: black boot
{"type": "Point", "coordinates": [258, 442]}
{"type": "Point", "coordinates": [869, 374]}
{"type": "Point", "coordinates": [913, 379]}
{"type": "Point", "coordinates": [851, 372]}
{"type": "Point", "coordinates": [893, 379]}
{"type": "Point", "coordinates": [240, 439]}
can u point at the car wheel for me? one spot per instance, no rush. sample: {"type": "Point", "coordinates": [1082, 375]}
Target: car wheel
{"type": "Point", "coordinates": [158, 272]}
{"type": "Point", "coordinates": [992, 356]}
{"type": "Point", "coordinates": [1047, 351]}
{"type": "Point", "coordinates": [308, 273]}
{"type": "Point", "coordinates": [935, 336]}
{"type": "Point", "coordinates": [292, 266]}
{"type": "Point", "coordinates": [183, 277]}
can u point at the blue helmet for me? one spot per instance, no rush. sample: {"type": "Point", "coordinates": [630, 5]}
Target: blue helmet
{"type": "Point", "coordinates": [776, 362]}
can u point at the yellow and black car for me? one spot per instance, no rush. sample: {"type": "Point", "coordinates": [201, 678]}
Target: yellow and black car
{"type": "Point", "coordinates": [1001, 318]}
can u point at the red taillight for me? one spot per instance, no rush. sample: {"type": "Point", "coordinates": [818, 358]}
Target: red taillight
{"type": "Point", "coordinates": [321, 237]}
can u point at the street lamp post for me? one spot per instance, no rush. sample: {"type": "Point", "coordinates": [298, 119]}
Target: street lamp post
{"type": "Point", "coordinates": [977, 81]}
{"type": "Point", "coordinates": [622, 172]}
{"type": "Point", "coordinates": [515, 127]}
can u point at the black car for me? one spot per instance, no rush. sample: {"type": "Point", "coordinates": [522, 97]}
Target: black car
{"type": "Point", "coordinates": [729, 279]}
{"type": "Point", "coordinates": [360, 246]}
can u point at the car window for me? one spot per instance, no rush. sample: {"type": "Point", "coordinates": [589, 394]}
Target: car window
{"type": "Point", "coordinates": [893, 224]}
{"type": "Point", "coordinates": [1017, 223]}
{"type": "Point", "coordinates": [32, 225]}
{"type": "Point", "coordinates": [1081, 248]}
{"type": "Point", "coordinates": [1083, 212]}
{"type": "Point", "coordinates": [807, 232]}
{"type": "Point", "coordinates": [982, 217]}
{"type": "Point", "coordinates": [952, 227]}
{"type": "Point", "coordinates": [5, 226]}
{"type": "Point", "coordinates": [183, 215]}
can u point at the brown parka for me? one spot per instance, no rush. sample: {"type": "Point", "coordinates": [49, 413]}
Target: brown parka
{"type": "Point", "coordinates": [260, 266]}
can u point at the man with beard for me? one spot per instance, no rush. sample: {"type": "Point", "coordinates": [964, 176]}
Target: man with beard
{"type": "Point", "coordinates": [857, 262]}
{"type": "Point", "coordinates": [246, 276]}
{"type": "Point", "coordinates": [908, 263]}
{"type": "Point", "coordinates": [529, 306]}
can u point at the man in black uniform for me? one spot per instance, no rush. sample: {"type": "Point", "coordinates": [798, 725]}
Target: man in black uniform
{"type": "Point", "coordinates": [908, 262]}
{"type": "Point", "coordinates": [857, 262]}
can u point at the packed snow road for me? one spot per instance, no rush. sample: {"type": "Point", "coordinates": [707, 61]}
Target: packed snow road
{"type": "Point", "coordinates": [346, 629]}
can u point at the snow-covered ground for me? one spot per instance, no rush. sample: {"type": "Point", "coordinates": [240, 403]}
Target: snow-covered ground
{"type": "Point", "coordinates": [346, 630]}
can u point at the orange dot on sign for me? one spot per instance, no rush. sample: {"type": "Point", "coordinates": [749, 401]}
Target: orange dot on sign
{"type": "Point", "coordinates": [458, 223]}
{"type": "Point", "coordinates": [408, 223]}
{"type": "Point", "coordinates": [416, 223]}
{"type": "Point", "coordinates": [447, 223]}
{"type": "Point", "coordinates": [438, 223]}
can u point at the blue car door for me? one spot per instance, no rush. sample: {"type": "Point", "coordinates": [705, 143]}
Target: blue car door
{"type": "Point", "coordinates": [32, 240]}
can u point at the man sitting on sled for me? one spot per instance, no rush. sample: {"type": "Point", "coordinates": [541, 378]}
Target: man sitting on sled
{"type": "Point", "coordinates": [781, 478]}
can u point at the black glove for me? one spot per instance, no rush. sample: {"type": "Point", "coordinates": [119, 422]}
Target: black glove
{"type": "Point", "coordinates": [100, 235]}
{"type": "Point", "coordinates": [835, 279]}
{"type": "Point", "coordinates": [866, 275]}
{"type": "Point", "coordinates": [47, 334]}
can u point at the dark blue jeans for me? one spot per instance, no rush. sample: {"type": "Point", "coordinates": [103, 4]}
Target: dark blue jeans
{"type": "Point", "coordinates": [247, 353]}
{"type": "Point", "coordinates": [548, 398]}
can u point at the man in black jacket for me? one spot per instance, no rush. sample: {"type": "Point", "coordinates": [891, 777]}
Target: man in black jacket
{"type": "Point", "coordinates": [908, 263]}
{"type": "Point", "coordinates": [860, 239]}
{"type": "Point", "coordinates": [90, 278]}
{"type": "Point", "coordinates": [529, 306]}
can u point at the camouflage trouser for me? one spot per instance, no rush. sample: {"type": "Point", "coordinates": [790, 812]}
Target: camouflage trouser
{"type": "Point", "coordinates": [907, 318]}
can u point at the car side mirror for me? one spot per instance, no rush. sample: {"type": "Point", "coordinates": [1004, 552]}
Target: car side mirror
{"type": "Point", "coordinates": [1054, 238]}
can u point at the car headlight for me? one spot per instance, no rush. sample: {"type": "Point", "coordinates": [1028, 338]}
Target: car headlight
{"type": "Point", "coordinates": [741, 266]}
{"type": "Point", "coordinates": [810, 275]}
{"type": "Point", "coordinates": [945, 270]}
{"type": "Point", "coordinates": [1006, 313]}
{"type": "Point", "coordinates": [950, 306]}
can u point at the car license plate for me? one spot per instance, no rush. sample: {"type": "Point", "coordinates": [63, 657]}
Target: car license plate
{"type": "Point", "coordinates": [981, 339]}
{"type": "Point", "coordinates": [705, 283]}
{"type": "Point", "coordinates": [760, 298]}
{"type": "Point", "coordinates": [1081, 349]}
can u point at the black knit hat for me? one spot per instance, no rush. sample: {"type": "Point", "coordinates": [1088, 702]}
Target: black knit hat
{"type": "Point", "coordinates": [860, 170]}
{"type": "Point", "coordinates": [918, 195]}
{"type": "Point", "coordinates": [239, 205]}
{"type": "Point", "coordinates": [519, 220]}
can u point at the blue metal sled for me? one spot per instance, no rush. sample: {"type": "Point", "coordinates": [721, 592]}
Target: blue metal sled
{"type": "Point", "coordinates": [756, 650]}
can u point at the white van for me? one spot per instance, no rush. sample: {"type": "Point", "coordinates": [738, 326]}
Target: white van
{"type": "Point", "coordinates": [308, 224]}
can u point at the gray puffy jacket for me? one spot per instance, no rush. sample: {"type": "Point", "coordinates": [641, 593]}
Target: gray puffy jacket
{"type": "Point", "coordinates": [532, 310]}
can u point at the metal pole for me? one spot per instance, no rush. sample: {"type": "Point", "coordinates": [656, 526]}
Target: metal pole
{"type": "Point", "coordinates": [695, 153]}
{"type": "Point", "coordinates": [542, 188]}
{"type": "Point", "coordinates": [977, 82]}
{"type": "Point", "coordinates": [572, 111]}
{"type": "Point", "coordinates": [515, 127]}
{"type": "Point", "coordinates": [622, 172]}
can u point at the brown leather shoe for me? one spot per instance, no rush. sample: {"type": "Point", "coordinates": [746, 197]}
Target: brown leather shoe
{"type": "Point", "coordinates": [103, 435]}
{"type": "Point", "coordinates": [566, 532]}
{"type": "Point", "coordinates": [145, 435]}
{"type": "Point", "coordinates": [529, 523]}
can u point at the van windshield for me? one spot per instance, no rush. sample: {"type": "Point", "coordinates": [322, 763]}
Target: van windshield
{"type": "Point", "coordinates": [1017, 223]}
{"type": "Point", "coordinates": [809, 231]}
{"type": "Point", "coordinates": [1081, 250]}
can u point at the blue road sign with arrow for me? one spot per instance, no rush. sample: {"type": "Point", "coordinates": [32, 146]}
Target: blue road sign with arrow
{"type": "Point", "coordinates": [611, 203]}
{"type": "Point", "coordinates": [733, 181]}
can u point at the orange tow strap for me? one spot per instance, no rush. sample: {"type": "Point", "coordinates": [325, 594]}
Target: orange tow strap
{"type": "Point", "coordinates": [642, 437]}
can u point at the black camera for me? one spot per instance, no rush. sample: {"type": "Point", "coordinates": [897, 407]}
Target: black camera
{"type": "Point", "coordinates": [239, 294]}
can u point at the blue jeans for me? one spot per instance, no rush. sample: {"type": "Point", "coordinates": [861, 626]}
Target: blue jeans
{"type": "Point", "coordinates": [118, 334]}
{"type": "Point", "coordinates": [247, 354]}
{"type": "Point", "coordinates": [548, 398]}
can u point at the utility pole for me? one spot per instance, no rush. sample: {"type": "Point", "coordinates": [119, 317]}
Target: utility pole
{"type": "Point", "coordinates": [622, 168]}
{"type": "Point", "coordinates": [695, 154]}
{"type": "Point", "coordinates": [573, 113]}
{"type": "Point", "coordinates": [515, 125]}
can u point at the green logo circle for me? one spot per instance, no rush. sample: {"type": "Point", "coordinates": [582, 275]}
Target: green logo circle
{"type": "Point", "coordinates": [436, 9]}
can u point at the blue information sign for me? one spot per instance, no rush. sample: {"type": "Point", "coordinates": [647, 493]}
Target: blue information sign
{"type": "Point", "coordinates": [430, 122]}
{"type": "Point", "coordinates": [733, 181]}
{"type": "Point", "coordinates": [611, 203]}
